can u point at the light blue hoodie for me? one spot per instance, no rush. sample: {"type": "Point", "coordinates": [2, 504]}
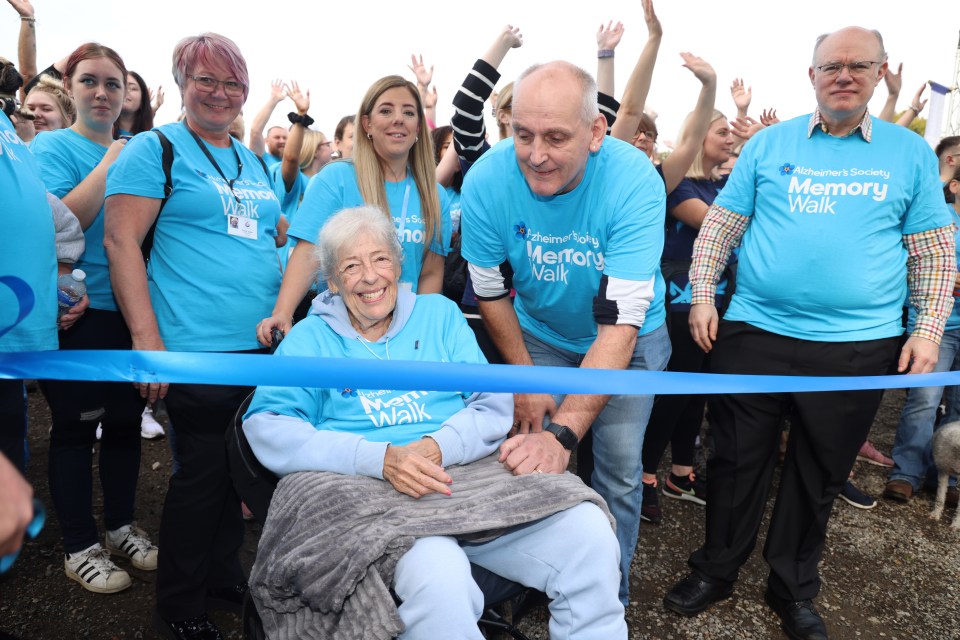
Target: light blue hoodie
{"type": "Point", "coordinates": [347, 430]}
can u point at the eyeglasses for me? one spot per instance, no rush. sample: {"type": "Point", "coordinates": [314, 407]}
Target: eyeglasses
{"type": "Point", "coordinates": [206, 84]}
{"type": "Point", "coordinates": [856, 68]}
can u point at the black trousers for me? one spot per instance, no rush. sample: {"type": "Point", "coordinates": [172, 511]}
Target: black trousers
{"type": "Point", "coordinates": [13, 422]}
{"type": "Point", "coordinates": [76, 408]}
{"type": "Point", "coordinates": [822, 447]}
{"type": "Point", "coordinates": [201, 529]}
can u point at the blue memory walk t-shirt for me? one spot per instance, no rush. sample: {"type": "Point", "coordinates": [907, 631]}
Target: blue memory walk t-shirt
{"type": "Point", "coordinates": [335, 188]}
{"type": "Point", "coordinates": [559, 246]}
{"type": "Point", "coordinates": [823, 256]}
{"type": "Point", "coordinates": [213, 271]}
{"type": "Point", "coordinates": [27, 247]}
{"type": "Point", "coordinates": [66, 158]}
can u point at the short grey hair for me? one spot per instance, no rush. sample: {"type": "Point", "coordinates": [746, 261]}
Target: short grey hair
{"type": "Point", "coordinates": [824, 36]}
{"type": "Point", "coordinates": [589, 109]}
{"type": "Point", "coordinates": [344, 227]}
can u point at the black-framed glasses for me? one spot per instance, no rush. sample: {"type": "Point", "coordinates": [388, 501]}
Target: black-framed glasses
{"type": "Point", "coordinates": [856, 68]}
{"type": "Point", "coordinates": [207, 84]}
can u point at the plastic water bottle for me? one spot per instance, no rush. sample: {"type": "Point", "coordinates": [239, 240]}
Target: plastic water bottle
{"type": "Point", "coordinates": [70, 290]}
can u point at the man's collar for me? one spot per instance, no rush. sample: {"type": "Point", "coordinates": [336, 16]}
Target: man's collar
{"type": "Point", "coordinates": [865, 127]}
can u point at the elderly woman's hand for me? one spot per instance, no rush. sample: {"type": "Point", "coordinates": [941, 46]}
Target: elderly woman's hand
{"type": "Point", "coordinates": [410, 470]}
{"type": "Point", "coordinates": [70, 318]}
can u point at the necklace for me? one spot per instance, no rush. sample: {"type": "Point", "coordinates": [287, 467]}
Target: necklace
{"type": "Point", "coordinates": [366, 343]}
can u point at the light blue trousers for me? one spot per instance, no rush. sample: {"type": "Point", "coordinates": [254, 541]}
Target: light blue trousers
{"type": "Point", "coordinates": [572, 556]}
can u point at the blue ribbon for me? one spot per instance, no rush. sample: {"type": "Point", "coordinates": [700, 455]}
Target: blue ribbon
{"type": "Point", "coordinates": [291, 371]}
{"type": "Point", "coordinates": [25, 298]}
{"type": "Point", "coordinates": [340, 373]}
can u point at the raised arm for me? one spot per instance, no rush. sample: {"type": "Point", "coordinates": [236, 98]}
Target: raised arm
{"type": "Point", "coordinates": [26, 43]}
{"type": "Point", "coordinates": [277, 94]}
{"type": "Point", "coordinates": [894, 82]}
{"type": "Point", "coordinates": [607, 40]}
{"type": "Point", "coordinates": [469, 131]}
{"type": "Point", "coordinates": [741, 96]}
{"type": "Point", "coordinates": [156, 99]}
{"type": "Point", "coordinates": [424, 77]}
{"type": "Point", "coordinates": [638, 86]}
{"type": "Point", "coordinates": [290, 166]}
{"type": "Point", "coordinates": [914, 109]}
{"type": "Point", "coordinates": [675, 165]}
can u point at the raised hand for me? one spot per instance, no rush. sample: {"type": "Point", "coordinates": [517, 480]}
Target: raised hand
{"type": "Point", "coordinates": [894, 80]}
{"type": "Point", "coordinates": [512, 37]}
{"type": "Point", "coordinates": [700, 67]}
{"type": "Point", "coordinates": [745, 127]}
{"type": "Point", "coordinates": [917, 103]}
{"type": "Point", "coordinates": [419, 69]}
{"type": "Point", "coordinates": [654, 28]}
{"type": "Point", "coordinates": [741, 95]}
{"type": "Point", "coordinates": [769, 117]}
{"type": "Point", "coordinates": [156, 98]}
{"type": "Point", "coordinates": [300, 101]}
{"type": "Point", "coordinates": [609, 37]}
{"type": "Point", "coordinates": [278, 90]}
{"type": "Point", "coordinates": [23, 7]}
{"type": "Point", "coordinates": [430, 98]}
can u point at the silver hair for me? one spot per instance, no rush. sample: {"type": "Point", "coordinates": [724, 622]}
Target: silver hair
{"type": "Point", "coordinates": [589, 109]}
{"type": "Point", "coordinates": [824, 36]}
{"type": "Point", "coordinates": [344, 227]}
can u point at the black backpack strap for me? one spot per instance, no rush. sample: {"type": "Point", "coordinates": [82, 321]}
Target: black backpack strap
{"type": "Point", "coordinates": [166, 159]}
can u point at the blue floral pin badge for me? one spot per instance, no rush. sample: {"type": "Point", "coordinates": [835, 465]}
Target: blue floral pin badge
{"type": "Point", "coordinates": [348, 393]}
{"type": "Point", "coordinates": [520, 230]}
{"type": "Point", "coordinates": [786, 168]}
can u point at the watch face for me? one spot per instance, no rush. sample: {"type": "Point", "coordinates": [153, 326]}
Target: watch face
{"type": "Point", "coordinates": [564, 434]}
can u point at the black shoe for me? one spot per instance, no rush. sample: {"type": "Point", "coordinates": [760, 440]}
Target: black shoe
{"type": "Point", "coordinates": [800, 620]}
{"type": "Point", "coordinates": [692, 595]}
{"type": "Point", "coordinates": [199, 628]}
{"type": "Point", "coordinates": [227, 598]}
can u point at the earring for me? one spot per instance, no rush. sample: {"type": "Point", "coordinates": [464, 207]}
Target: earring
{"type": "Point", "coordinates": [369, 136]}
{"type": "Point", "coordinates": [416, 139]}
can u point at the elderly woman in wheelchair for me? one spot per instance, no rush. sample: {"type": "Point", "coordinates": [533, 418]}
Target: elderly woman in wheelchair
{"type": "Point", "coordinates": [388, 496]}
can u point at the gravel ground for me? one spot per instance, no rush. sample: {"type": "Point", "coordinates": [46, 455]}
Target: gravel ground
{"type": "Point", "coordinates": [887, 573]}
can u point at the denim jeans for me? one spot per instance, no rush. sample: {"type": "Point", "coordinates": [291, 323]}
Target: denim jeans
{"type": "Point", "coordinates": [912, 457]}
{"type": "Point", "coordinates": [617, 438]}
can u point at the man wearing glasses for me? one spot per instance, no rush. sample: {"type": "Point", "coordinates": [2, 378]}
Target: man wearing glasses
{"type": "Point", "coordinates": [837, 214]}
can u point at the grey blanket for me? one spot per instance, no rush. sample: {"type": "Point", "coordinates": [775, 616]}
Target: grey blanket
{"type": "Point", "coordinates": [331, 542]}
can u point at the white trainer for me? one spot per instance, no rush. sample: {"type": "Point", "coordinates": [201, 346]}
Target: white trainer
{"type": "Point", "coordinates": [94, 570]}
{"type": "Point", "coordinates": [149, 427]}
{"type": "Point", "coordinates": [132, 542]}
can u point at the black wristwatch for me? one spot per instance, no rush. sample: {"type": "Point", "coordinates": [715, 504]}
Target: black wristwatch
{"type": "Point", "coordinates": [565, 435]}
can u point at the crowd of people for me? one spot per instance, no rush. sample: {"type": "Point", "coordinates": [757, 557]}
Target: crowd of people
{"type": "Point", "coordinates": [572, 241]}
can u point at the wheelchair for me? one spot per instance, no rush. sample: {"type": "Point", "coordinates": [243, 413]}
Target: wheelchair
{"type": "Point", "coordinates": [255, 485]}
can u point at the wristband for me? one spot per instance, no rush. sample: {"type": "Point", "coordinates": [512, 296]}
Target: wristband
{"type": "Point", "coordinates": [296, 118]}
{"type": "Point", "coordinates": [28, 19]}
{"type": "Point", "coordinates": [916, 110]}
{"type": "Point", "coordinates": [605, 53]}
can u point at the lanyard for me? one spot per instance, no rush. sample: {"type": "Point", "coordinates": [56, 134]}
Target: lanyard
{"type": "Point", "coordinates": [403, 212]}
{"type": "Point", "coordinates": [213, 160]}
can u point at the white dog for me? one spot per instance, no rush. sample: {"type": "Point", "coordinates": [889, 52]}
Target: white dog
{"type": "Point", "coordinates": [946, 455]}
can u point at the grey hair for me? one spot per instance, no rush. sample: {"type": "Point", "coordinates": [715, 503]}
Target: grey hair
{"type": "Point", "coordinates": [344, 227]}
{"type": "Point", "coordinates": [824, 36]}
{"type": "Point", "coordinates": [589, 109]}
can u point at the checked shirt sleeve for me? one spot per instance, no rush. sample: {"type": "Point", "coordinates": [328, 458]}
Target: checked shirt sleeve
{"type": "Point", "coordinates": [931, 272]}
{"type": "Point", "coordinates": [720, 233]}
